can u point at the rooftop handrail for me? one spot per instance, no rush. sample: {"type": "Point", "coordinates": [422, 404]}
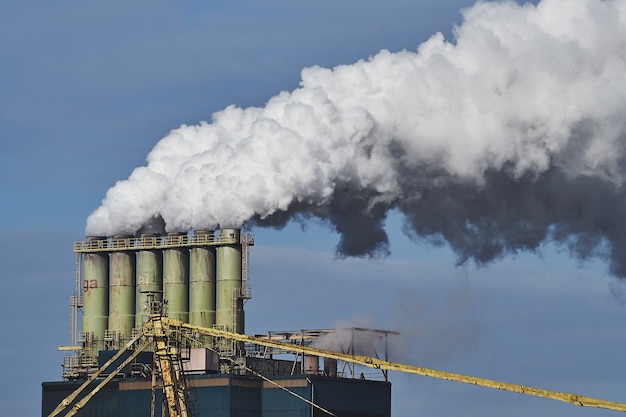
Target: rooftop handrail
{"type": "Point", "coordinates": [160, 242]}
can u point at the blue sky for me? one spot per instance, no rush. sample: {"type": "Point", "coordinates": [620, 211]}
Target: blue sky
{"type": "Point", "coordinates": [89, 88]}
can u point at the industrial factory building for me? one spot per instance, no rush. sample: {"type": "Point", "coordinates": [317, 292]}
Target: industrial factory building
{"type": "Point", "coordinates": [157, 313]}
{"type": "Point", "coordinates": [235, 395]}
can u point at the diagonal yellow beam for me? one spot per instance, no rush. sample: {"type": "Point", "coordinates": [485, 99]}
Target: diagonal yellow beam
{"type": "Point", "coordinates": [575, 399]}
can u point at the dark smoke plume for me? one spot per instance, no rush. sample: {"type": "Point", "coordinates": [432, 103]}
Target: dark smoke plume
{"type": "Point", "coordinates": [510, 136]}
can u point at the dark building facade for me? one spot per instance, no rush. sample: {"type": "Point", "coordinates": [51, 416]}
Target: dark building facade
{"type": "Point", "coordinates": [225, 395]}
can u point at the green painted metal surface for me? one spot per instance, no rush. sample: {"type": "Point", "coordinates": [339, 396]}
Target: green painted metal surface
{"type": "Point", "coordinates": [149, 280]}
{"type": "Point", "coordinates": [229, 282]}
{"type": "Point", "coordinates": [176, 283]}
{"type": "Point", "coordinates": [95, 296]}
{"type": "Point", "coordinates": [202, 287]}
{"type": "Point", "coordinates": [122, 294]}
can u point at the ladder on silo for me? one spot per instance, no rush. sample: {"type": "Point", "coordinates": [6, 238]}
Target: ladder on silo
{"type": "Point", "coordinates": [246, 292]}
{"type": "Point", "coordinates": [72, 360]}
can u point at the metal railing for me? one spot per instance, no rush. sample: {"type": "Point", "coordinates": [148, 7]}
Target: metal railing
{"type": "Point", "coordinates": [161, 242]}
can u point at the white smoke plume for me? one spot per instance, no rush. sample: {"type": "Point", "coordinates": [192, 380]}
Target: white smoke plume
{"type": "Point", "coordinates": [356, 341]}
{"type": "Point", "coordinates": [511, 135]}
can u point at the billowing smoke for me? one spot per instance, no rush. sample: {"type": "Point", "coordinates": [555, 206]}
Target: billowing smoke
{"type": "Point", "coordinates": [512, 135]}
{"type": "Point", "coordinates": [351, 340]}
{"type": "Point", "coordinates": [427, 329]}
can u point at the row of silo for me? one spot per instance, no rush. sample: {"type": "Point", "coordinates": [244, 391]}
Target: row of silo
{"type": "Point", "coordinates": [198, 276]}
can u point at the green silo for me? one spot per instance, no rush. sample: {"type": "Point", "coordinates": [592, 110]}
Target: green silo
{"type": "Point", "coordinates": [202, 281]}
{"type": "Point", "coordinates": [122, 290]}
{"type": "Point", "coordinates": [149, 277]}
{"type": "Point", "coordinates": [229, 282]}
{"type": "Point", "coordinates": [176, 278]}
{"type": "Point", "coordinates": [95, 296]}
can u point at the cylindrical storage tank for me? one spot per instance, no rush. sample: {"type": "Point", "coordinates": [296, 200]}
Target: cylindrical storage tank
{"type": "Point", "coordinates": [122, 290]}
{"type": "Point", "coordinates": [149, 278]}
{"type": "Point", "coordinates": [311, 364]}
{"type": "Point", "coordinates": [202, 282]}
{"type": "Point", "coordinates": [229, 282]}
{"type": "Point", "coordinates": [176, 278]}
{"type": "Point", "coordinates": [95, 294]}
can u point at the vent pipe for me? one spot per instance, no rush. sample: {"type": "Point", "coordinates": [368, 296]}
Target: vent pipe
{"type": "Point", "coordinates": [330, 367]}
{"type": "Point", "coordinates": [311, 364]}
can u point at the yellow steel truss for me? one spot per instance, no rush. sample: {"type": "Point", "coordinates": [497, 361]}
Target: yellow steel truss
{"type": "Point", "coordinates": [160, 330]}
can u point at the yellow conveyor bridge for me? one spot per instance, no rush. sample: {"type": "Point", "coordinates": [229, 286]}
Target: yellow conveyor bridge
{"type": "Point", "coordinates": [161, 332]}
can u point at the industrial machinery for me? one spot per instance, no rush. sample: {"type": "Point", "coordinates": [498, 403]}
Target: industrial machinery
{"type": "Point", "coordinates": [140, 337]}
{"type": "Point", "coordinates": [166, 337]}
{"type": "Point", "coordinates": [167, 354]}
{"type": "Point", "coordinates": [203, 275]}
{"type": "Point", "coordinates": [173, 314]}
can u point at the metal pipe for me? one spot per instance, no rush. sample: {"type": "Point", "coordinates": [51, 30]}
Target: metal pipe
{"type": "Point", "coordinates": [330, 367]}
{"type": "Point", "coordinates": [311, 364]}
